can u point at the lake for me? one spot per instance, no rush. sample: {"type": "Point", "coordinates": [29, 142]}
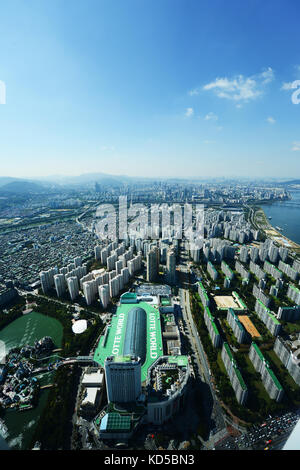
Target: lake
{"type": "Point", "coordinates": [26, 330]}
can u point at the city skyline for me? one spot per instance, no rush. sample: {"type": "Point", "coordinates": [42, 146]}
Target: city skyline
{"type": "Point", "coordinates": [170, 89]}
{"type": "Point", "coordinates": [94, 176]}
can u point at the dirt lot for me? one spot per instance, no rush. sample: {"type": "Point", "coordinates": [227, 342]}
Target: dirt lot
{"type": "Point", "coordinates": [225, 301]}
{"type": "Point", "coordinates": [245, 320]}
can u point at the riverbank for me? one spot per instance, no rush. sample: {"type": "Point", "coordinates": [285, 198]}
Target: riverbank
{"type": "Point", "coordinates": [260, 221]}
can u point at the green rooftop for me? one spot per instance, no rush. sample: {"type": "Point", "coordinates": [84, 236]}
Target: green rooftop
{"type": "Point", "coordinates": [212, 266]}
{"type": "Point", "coordinates": [179, 360]}
{"type": "Point", "coordinates": [203, 290]}
{"type": "Point", "coordinates": [202, 287]}
{"type": "Point", "coordinates": [271, 373]}
{"type": "Point", "coordinates": [226, 346]}
{"type": "Point", "coordinates": [227, 267]}
{"type": "Point", "coordinates": [165, 301]}
{"type": "Point", "coordinates": [235, 367]}
{"type": "Point", "coordinates": [115, 422]}
{"type": "Point", "coordinates": [112, 342]}
{"type": "Point", "coordinates": [236, 319]}
{"type": "Point", "coordinates": [268, 311]}
{"type": "Point", "coordinates": [209, 313]}
{"type": "Point", "coordinates": [122, 358]}
{"type": "Point", "coordinates": [239, 376]}
{"type": "Point", "coordinates": [215, 328]}
{"type": "Point", "coordinates": [237, 297]}
{"type": "Point", "coordinates": [262, 304]}
{"type": "Point", "coordinates": [128, 297]}
{"type": "Point", "coordinates": [273, 317]}
{"type": "Point", "coordinates": [258, 351]}
{"type": "Point", "coordinates": [294, 288]}
{"type": "Point", "coordinates": [274, 378]}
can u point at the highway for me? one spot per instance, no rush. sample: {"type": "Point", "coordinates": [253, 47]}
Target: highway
{"type": "Point", "coordinates": [200, 357]}
{"type": "Point", "coordinates": [270, 435]}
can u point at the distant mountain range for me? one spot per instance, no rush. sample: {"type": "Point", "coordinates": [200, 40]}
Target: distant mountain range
{"type": "Point", "coordinates": [104, 179]}
{"type": "Point", "coordinates": [85, 178]}
{"type": "Point", "coordinates": [10, 185]}
{"type": "Point", "coordinates": [7, 179]}
{"type": "Point", "coordinates": [21, 187]}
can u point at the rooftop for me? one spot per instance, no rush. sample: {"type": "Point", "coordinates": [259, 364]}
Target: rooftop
{"type": "Point", "coordinates": [115, 422]}
{"type": "Point", "coordinates": [148, 335]}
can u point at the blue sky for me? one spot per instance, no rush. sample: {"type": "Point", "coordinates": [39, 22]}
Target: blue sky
{"type": "Point", "coordinates": [150, 87]}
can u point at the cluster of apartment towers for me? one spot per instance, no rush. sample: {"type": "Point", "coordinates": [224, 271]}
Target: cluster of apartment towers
{"type": "Point", "coordinates": [267, 254]}
{"type": "Point", "coordinates": [121, 265]}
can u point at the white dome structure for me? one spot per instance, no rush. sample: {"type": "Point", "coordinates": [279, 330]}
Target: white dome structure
{"type": "Point", "coordinates": [79, 326]}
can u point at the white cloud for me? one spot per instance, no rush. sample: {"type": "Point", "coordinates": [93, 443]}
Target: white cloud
{"type": "Point", "coordinates": [189, 112]}
{"type": "Point", "coordinates": [289, 85]}
{"type": "Point", "coordinates": [267, 75]}
{"type": "Point", "coordinates": [241, 88]}
{"type": "Point", "coordinates": [236, 89]}
{"type": "Point", "coordinates": [271, 120]}
{"type": "Point", "coordinates": [211, 117]}
{"type": "Point", "coordinates": [296, 147]}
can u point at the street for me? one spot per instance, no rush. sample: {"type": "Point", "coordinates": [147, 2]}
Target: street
{"type": "Point", "coordinates": [216, 418]}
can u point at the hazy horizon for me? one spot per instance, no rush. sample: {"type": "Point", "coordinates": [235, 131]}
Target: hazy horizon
{"type": "Point", "coordinates": [96, 174]}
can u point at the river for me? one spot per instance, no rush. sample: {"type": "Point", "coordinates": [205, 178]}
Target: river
{"type": "Point", "coordinates": [286, 215]}
{"type": "Point", "coordinates": [26, 330]}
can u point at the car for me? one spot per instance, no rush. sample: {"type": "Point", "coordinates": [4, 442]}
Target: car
{"type": "Point", "coordinates": [121, 445]}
